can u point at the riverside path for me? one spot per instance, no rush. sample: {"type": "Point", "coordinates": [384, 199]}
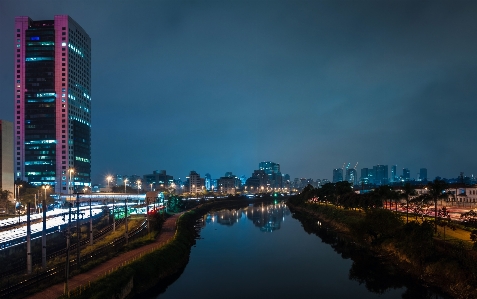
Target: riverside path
{"type": "Point", "coordinates": [167, 233]}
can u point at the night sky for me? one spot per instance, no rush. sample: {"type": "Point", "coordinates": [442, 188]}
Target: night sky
{"type": "Point", "coordinates": [217, 86]}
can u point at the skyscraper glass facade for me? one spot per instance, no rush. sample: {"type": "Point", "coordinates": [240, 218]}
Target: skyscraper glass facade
{"type": "Point", "coordinates": [52, 103]}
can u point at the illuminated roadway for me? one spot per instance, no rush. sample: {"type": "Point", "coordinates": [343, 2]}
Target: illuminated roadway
{"type": "Point", "coordinates": [55, 220]}
{"type": "Point", "coordinates": [14, 232]}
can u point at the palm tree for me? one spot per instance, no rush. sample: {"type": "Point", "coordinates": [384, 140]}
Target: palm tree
{"type": "Point", "coordinates": [436, 190]}
{"type": "Point", "coordinates": [396, 197]}
{"type": "Point", "coordinates": [383, 193]}
{"type": "Point", "coordinates": [408, 190]}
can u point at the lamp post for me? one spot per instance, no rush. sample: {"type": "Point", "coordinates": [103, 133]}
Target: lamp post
{"type": "Point", "coordinates": [114, 216]}
{"type": "Point", "coordinates": [151, 186]}
{"type": "Point", "coordinates": [173, 186]}
{"type": "Point", "coordinates": [71, 171]}
{"type": "Point", "coordinates": [138, 182]}
{"type": "Point", "coordinates": [18, 192]}
{"type": "Point", "coordinates": [193, 187]}
{"type": "Point", "coordinates": [46, 187]}
{"type": "Point", "coordinates": [125, 181]}
{"type": "Point", "coordinates": [109, 179]}
{"type": "Point", "coordinates": [18, 201]}
{"type": "Point", "coordinates": [126, 235]}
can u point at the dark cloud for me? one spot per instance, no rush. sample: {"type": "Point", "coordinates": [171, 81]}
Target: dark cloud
{"type": "Point", "coordinates": [218, 86]}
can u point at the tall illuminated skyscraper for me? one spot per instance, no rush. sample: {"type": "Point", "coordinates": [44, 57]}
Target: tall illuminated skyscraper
{"type": "Point", "coordinates": [52, 103]}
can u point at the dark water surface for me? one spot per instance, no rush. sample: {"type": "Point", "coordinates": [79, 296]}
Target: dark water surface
{"type": "Point", "coordinates": [264, 252]}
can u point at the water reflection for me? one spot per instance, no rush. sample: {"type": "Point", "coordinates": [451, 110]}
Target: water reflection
{"type": "Point", "coordinates": [330, 266]}
{"type": "Point", "coordinates": [378, 276]}
{"type": "Point", "coordinates": [267, 218]}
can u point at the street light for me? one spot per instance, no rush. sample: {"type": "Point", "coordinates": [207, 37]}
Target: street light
{"type": "Point", "coordinates": [18, 192]}
{"type": "Point", "coordinates": [193, 187]}
{"type": "Point", "coordinates": [151, 186]}
{"type": "Point", "coordinates": [46, 187]}
{"type": "Point", "coordinates": [71, 171]}
{"type": "Point", "coordinates": [138, 182]}
{"type": "Point", "coordinates": [109, 179]}
{"type": "Point", "coordinates": [125, 181]}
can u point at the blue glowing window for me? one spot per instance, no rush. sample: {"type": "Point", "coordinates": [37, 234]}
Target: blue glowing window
{"type": "Point", "coordinates": [35, 38]}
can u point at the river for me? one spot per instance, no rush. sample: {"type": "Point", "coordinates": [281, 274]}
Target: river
{"type": "Point", "coordinates": [264, 252]}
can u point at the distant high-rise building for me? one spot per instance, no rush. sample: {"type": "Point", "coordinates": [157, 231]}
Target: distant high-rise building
{"type": "Point", "coordinates": [406, 174]}
{"type": "Point", "coordinates": [260, 179]}
{"type": "Point", "coordinates": [423, 174]}
{"type": "Point", "coordinates": [381, 174]}
{"type": "Point", "coordinates": [243, 179]}
{"type": "Point", "coordinates": [364, 176]}
{"type": "Point", "coordinates": [195, 182]}
{"type": "Point", "coordinates": [272, 169]}
{"type": "Point", "coordinates": [6, 156]}
{"type": "Point", "coordinates": [393, 174]}
{"type": "Point", "coordinates": [337, 175]}
{"type": "Point", "coordinates": [208, 181]}
{"type": "Point", "coordinates": [269, 167]}
{"type": "Point", "coordinates": [352, 176]}
{"type": "Point", "coordinates": [228, 184]}
{"type": "Point", "coordinates": [317, 183]}
{"type": "Point", "coordinates": [159, 179]}
{"type": "Point", "coordinates": [52, 103]}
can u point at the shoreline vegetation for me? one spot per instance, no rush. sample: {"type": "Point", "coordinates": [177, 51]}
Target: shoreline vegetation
{"type": "Point", "coordinates": [412, 247]}
{"type": "Point", "coordinates": [151, 270]}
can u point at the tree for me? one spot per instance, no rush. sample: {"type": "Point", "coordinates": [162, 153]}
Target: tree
{"type": "Point", "coordinates": [342, 188]}
{"type": "Point", "coordinates": [407, 191]}
{"type": "Point", "coordinates": [327, 192]}
{"type": "Point", "coordinates": [420, 205]}
{"type": "Point", "coordinates": [380, 224]}
{"type": "Point", "coordinates": [473, 238]}
{"type": "Point", "coordinates": [383, 193]}
{"type": "Point", "coordinates": [5, 196]}
{"type": "Point", "coordinates": [445, 220]}
{"type": "Point", "coordinates": [469, 218]}
{"type": "Point", "coordinates": [436, 191]}
{"type": "Point", "coordinates": [417, 240]}
{"type": "Point", "coordinates": [308, 192]}
{"type": "Point", "coordinates": [175, 204]}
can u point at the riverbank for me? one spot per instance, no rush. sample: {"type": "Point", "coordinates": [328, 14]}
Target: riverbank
{"type": "Point", "coordinates": [149, 270]}
{"type": "Point", "coordinates": [447, 267]}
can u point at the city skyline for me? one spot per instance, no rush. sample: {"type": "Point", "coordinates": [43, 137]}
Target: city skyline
{"type": "Point", "coordinates": [216, 87]}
